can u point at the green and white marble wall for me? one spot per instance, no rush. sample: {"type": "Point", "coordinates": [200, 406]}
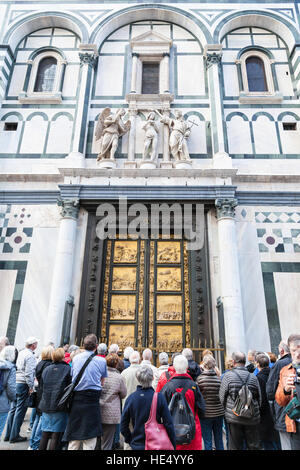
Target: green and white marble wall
{"type": "Point", "coordinates": [269, 252]}
{"type": "Point", "coordinates": [28, 242]}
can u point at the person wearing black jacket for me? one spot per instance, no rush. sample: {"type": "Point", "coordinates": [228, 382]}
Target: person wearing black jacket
{"type": "Point", "coordinates": [37, 425]}
{"type": "Point", "coordinates": [55, 378]}
{"type": "Point", "coordinates": [193, 368]}
{"type": "Point", "coordinates": [269, 437]}
{"type": "Point", "coordinates": [271, 387]}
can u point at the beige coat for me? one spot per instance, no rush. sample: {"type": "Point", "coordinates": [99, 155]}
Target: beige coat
{"type": "Point", "coordinates": [113, 391]}
{"type": "Point", "coordinates": [130, 380]}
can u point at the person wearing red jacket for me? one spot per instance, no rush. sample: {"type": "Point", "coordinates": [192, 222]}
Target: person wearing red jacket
{"type": "Point", "coordinates": [179, 382]}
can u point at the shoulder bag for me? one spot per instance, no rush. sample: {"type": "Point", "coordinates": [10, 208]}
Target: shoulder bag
{"type": "Point", "coordinates": [65, 402]}
{"type": "Point", "coordinates": [156, 434]}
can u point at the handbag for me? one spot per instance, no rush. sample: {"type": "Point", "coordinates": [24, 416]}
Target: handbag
{"type": "Point", "coordinates": [65, 402]}
{"type": "Point", "coordinates": [156, 434]}
{"type": "Point", "coordinates": [292, 410]}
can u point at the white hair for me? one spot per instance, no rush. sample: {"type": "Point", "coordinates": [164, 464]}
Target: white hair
{"type": "Point", "coordinates": [113, 348]}
{"type": "Point", "coordinates": [134, 357]}
{"type": "Point", "coordinates": [102, 348]}
{"type": "Point", "coordinates": [163, 358]}
{"type": "Point", "coordinates": [147, 354]}
{"type": "Point", "coordinates": [180, 364]}
{"type": "Point", "coordinates": [127, 352]}
{"type": "Point", "coordinates": [188, 353]}
{"type": "Point", "coordinates": [8, 353]}
{"type": "Point", "coordinates": [144, 376]}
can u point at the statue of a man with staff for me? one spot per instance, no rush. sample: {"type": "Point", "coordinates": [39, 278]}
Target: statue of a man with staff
{"type": "Point", "coordinates": [180, 132]}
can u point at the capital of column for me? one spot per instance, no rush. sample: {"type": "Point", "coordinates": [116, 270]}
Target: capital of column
{"type": "Point", "coordinates": [69, 208]}
{"type": "Point", "coordinates": [135, 54]}
{"type": "Point", "coordinates": [226, 207]}
{"type": "Point", "coordinates": [89, 58]}
{"type": "Point", "coordinates": [212, 54]}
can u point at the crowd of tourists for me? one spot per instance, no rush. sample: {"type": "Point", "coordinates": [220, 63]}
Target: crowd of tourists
{"type": "Point", "coordinates": [95, 398]}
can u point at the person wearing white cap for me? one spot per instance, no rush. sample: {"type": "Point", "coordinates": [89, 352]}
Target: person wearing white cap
{"type": "Point", "coordinates": [26, 364]}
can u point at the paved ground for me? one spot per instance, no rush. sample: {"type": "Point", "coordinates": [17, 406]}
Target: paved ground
{"type": "Point", "coordinates": [24, 433]}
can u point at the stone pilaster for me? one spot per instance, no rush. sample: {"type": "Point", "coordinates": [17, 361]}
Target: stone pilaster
{"type": "Point", "coordinates": [230, 276]}
{"type": "Point", "coordinates": [63, 270]}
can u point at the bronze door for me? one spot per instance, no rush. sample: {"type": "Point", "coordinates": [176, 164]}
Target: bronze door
{"type": "Point", "coordinates": [146, 295]}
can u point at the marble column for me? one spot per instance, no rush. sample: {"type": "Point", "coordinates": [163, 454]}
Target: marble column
{"type": "Point", "coordinates": [88, 57]}
{"type": "Point", "coordinates": [166, 163]}
{"type": "Point", "coordinates": [213, 55]}
{"type": "Point", "coordinates": [63, 270]}
{"type": "Point", "coordinates": [165, 73]}
{"type": "Point", "coordinates": [230, 276]}
{"type": "Point", "coordinates": [135, 57]}
{"type": "Point", "coordinates": [6, 65]}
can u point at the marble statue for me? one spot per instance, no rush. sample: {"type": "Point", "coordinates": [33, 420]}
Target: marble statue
{"type": "Point", "coordinates": [151, 138]}
{"type": "Point", "coordinates": [110, 127]}
{"type": "Point", "coordinates": [179, 133]}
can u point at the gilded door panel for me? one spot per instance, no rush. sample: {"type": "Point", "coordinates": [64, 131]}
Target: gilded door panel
{"type": "Point", "coordinates": [168, 252]}
{"type": "Point", "coordinates": [125, 252]}
{"type": "Point", "coordinates": [123, 335]}
{"type": "Point", "coordinates": [169, 338]}
{"type": "Point", "coordinates": [169, 279]}
{"type": "Point", "coordinates": [169, 307]}
{"type": "Point", "coordinates": [122, 307]}
{"type": "Point", "coordinates": [124, 278]}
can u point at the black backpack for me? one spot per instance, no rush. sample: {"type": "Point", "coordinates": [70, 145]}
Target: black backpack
{"type": "Point", "coordinates": [243, 405]}
{"type": "Point", "coordinates": [183, 419]}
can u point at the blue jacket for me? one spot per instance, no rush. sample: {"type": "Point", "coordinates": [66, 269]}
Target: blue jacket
{"type": "Point", "coordinates": [137, 410]}
{"type": "Point", "coordinates": [9, 381]}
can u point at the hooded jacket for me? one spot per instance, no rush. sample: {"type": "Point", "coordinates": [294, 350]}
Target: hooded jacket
{"type": "Point", "coordinates": [9, 385]}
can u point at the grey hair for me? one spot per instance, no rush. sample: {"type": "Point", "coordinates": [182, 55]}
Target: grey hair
{"type": "Point", "coordinates": [4, 340]}
{"type": "Point", "coordinates": [134, 357]}
{"type": "Point", "coordinates": [239, 357]}
{"type": "Point", "coordinates": [8, 353]}
{"type": "Point", "coordinates": [163, 358]}
{"type": "Point", "coordinates": [147, 354]}
{"type": "Point", "coordinates": [102, 348]}
{"type": "Point", "coordinates": [144, 376]}
{"type": "Point", "coordinates": [72, 348]}
{"type": "Point", "coordinates": [283, 345]}
{"type": "Point", "coordinates": [209, 362]}
{"type": "Point", "coordinates": [188, 353]}
{"type": "Point", "coordinates": [127, 351]}
{"type": "Point", "coordinates": [113, 348]}
{"type": "Point", "coordinates": [180, 364]}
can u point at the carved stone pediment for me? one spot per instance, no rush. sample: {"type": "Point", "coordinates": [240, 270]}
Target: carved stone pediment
{"type": "Point", "coordinates": [151, 41]}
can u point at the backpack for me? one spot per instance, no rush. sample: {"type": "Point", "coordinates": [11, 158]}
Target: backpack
{"type": "Point", "coordinates": [183, 419]}
{"type": "Point", "coordinates": [243, 405]}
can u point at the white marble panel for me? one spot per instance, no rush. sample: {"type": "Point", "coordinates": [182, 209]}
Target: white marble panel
{"type": "Point", "coordinates": [268, 40]}
{"type": "Point", "coordinates": [64, 42]}
{"type": "Point", "coordinates": [284, 80]}
{"type": "Point", "coordinates": [239, 137]}
{"type": "Point", "coordinates": [60, 134]}
{"type": "Point", "coordinates": [180, 33]}
{"type": "Point", "coordinates": [122, 33]}
{"type": "Point", "coordinates": [238, 41]}
{"type": "Point", "coordinates": [163, 29]}
{"type": "Point", "coordinates": [9, 140]}
{"type": "Point", "coordinates": [190, 75]}
{"type": "Point", "coordinates": [139, 29]}
{"type": "Point", "coordinates": [197, 140]}
{"type": "Point", "coordinates": [110, 75]}
{"type": "Point", "coordinates": [64, 32]}
{"type": "Point", "coordinates": [265, 136]}
{"type": "Point", "coordinates": [35, 43]}
{"type": "Point", "coordinates": [287, 288]}
{"type": "Point", "coordinates": [290, 140]}
{"type": "Point", "coordinates": [187, 46]}
{"type": "Point", "coordinates": [37, 286]}
{"type": "Point", "coordinates": [254, 307]}
{"type": "Point", "coordinates": [34, 135]}
{"type": "Point", "coordinates": [118, 47]}
{"type": "Point", "coordinates": [7, 287]}
{"type": "Point", "coordinates": [71, 80]}
{"type": "Point", "coordinates": [231, 82]}
{"type": "Point", "coordinates": [17, 81]}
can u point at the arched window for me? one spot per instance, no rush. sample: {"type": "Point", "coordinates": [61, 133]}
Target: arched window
{"type": "Point", "coordinates": [256, 74]}
{"type": "Point", "coordinates": [46, 74]}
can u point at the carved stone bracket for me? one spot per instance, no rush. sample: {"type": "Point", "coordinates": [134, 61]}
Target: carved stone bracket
{"type": "Point", "coordinates": [226, 207]}
{"type": "Point", "coordinates": [69, 208]}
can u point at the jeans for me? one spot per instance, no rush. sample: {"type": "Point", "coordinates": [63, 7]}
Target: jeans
{"type": "Point", "coordinates": [17, 412]}
{"type": "Point", "coordinates": [32, 417]}
{"type": "Point", "coordinates": [243, 437]}
{"type": "Point", "coordinates": [36, 433]}
{"type": "Point", "coordinates": [3, 417]}
{"type": "Point", "coordinates": [209, 427]}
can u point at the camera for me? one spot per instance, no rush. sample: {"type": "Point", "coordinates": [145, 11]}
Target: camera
{"type": "Point", "coordinates": [297, 377]}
